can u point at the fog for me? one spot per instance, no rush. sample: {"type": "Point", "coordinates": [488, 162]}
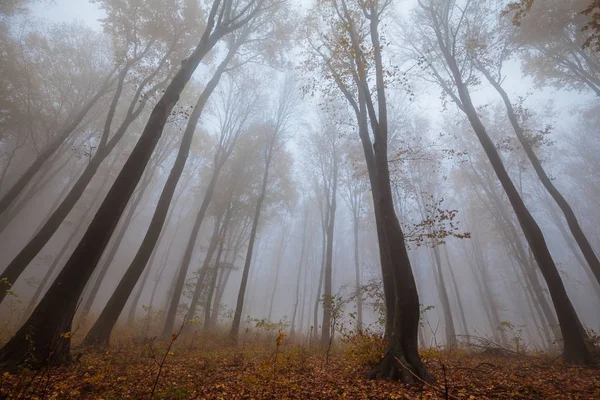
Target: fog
{"type": "Point", "coordinates": [172, 167]}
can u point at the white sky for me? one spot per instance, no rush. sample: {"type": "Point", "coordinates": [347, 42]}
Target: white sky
{"type": "Point", "coordinates": [515, 84]}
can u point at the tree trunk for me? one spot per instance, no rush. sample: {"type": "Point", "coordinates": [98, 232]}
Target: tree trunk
{"type": "Point", "coordinates": [575, 349]}
{"type": "Point", "coordinates": [211, 289]}
{"type": "Point", "coordinates": [300, 263]}
{"type": "Point", "coordinates": [100, 332]}
{"type": "Point", "coordinates": [187, 257]}
{"type": "Point", "coordinates": [358, 291]}
{"type": "Point", "coordinates": [50, 322]}
{"type": "Point", "coordinates": [448, 319]}
{"type": "Point", "coordinates": [572, 222]}
{"type": "Point", "coordinates": [116, 243]}
{"type": "Point", "coordinates": [82, 221]}
{"type": "Point", "coordinates": [458, 297]}
{"type": "Point", "coordinates": [41, 238]}
{"type": "Point", "coordinates": [237, 318]}
{"type": "Point", "coordinates": [327, 290]}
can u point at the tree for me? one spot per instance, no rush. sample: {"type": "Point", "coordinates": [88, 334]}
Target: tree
{"type": "Point", "coordinates": [237, 112]}
{"type": "Point", "coordinates": [444, 22]}
{"type": "Point", "coordinates": [274, 131]}
{"type": "Point", "coordinates": [50, 322]}
{"type": "Point", "coordinates": [496, 45]}
{"type": "Point", "coordinates": [300, 267]}
{"type": "Point", "coordinates": [349, 53]}
{"type": "Point", "coordinates": [353, 192]}
{"type": "Point", "coordinates": [151, 82]}
{"type": "Point", "coordinates": [562, 34]}
{"type": "Point", "coordinates": [325, 153]}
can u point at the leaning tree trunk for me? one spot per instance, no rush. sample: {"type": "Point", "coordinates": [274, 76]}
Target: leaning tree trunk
{"type": "Point", "coordinates": [575, 349]}
{"type": "Point", "coordinates": [100, 332]}
{"type": "Point", "coordinates": [50, 323]}
{"type": "Point", "coordinates": [187, 256]}
{"type": "Point", "coordinates": [82, 220]}
{"type": "Point", "coordinates": [41, 238]}
{"type": "Point", "coordinates": [572, 222]}
{"type": "Point", "coordinates": [114, 247]}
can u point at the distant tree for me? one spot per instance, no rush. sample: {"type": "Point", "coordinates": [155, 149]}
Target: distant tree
{"type": "Point", "coordinates": [275, 131]}
{"type": "Point", "coordinates": [560, 40]}
{"type": "Point", "coordinates": [353, 190]}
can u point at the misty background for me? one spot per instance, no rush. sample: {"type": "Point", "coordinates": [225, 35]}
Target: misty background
{"type": "Point", "coordinates": [467, 250]}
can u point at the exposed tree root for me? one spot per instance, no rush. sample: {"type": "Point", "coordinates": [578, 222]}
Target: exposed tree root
{"type": "Point", "coordinates": [395, 366]}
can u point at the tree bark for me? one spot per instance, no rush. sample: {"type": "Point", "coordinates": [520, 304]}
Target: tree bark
{"type": "Point", "coordinates": [116, 243]}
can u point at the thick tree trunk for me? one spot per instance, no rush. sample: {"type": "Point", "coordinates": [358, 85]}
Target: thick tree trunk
{"type": "Point", "coordinates": [50, 323]}
{"type": "Point", "coordinates": [100, 332]}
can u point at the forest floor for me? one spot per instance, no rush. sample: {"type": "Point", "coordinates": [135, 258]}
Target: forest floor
{"type": "Point", "coordinates": [286, 371]}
